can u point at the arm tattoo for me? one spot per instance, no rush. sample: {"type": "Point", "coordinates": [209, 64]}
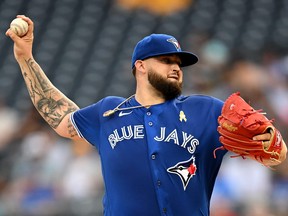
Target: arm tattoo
{"type": "Point", "coordinates": [71, 130]}
{"type": "Point", "coordinates": [50, 103]}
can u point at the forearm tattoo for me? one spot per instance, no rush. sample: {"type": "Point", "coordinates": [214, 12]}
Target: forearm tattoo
{"type": "Point", "coordinates": [50, 103]}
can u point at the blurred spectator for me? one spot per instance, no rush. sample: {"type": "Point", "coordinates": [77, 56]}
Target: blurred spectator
{"type": "Point", "coordinates": [208, 73]}
{"type": "Point", "coordinates": [278, 91]}
{"type": "Point", "coordinates": [9, 123]}
{"type": "Point", "coordinates": [82, 181]}
{"type": "Point", "coordinates": [48, 176]}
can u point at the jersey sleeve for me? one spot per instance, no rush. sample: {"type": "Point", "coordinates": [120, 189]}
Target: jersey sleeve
{"type": "Point", "coordinates": [86, 121]}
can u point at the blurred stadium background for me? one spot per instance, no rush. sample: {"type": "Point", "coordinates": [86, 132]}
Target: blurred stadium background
{"type": "Point", "coordinates": [85, 47]}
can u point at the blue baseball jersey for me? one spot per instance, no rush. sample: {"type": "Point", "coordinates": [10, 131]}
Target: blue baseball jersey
{"type": "Point", "coordinates": [157, 160]}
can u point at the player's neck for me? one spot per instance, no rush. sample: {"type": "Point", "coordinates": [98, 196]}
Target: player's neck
{"type": "Point", "coordinates": [148, 97]}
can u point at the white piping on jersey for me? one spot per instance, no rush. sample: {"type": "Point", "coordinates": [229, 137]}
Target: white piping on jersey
{"type": "Point", "coordinates": [111, 112]}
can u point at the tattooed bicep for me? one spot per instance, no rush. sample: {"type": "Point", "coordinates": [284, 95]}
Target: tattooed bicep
{"type": "Point", "coordinates": [71, 129]}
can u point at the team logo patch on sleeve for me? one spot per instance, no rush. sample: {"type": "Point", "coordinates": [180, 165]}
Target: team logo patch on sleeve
{"type": "Point", "coordinates": [185, 170]}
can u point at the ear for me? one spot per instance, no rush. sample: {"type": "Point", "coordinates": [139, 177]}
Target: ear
{"type": "Point", "coordinates": [140, 66]}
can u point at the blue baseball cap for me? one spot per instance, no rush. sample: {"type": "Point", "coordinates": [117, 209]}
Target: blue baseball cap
{"type": "Point", "coordinates": [161, 44]}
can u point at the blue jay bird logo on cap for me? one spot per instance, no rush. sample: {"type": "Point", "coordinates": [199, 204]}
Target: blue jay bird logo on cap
{"type": "Point", "coordinates": [175, 43]}
{"type": "Point", "coordinates": [185, 170]}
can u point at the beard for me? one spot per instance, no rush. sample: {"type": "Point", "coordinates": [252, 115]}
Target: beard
{"type": "Point", "coordinates": [168, 89]}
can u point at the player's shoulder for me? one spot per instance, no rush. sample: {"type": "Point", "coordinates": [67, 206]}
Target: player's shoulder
{"type": "Point", "coordinates": [112, 100]}
{"type": "Point", "coordinates": [199, 98]}
{"type": "Point", "coordinates": [203, 103]}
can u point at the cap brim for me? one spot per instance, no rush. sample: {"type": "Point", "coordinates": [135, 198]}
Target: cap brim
{"type": "Point", "coordinates": [187, 58]}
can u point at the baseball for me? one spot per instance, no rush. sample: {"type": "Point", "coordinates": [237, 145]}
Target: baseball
{"type": "Point", "coordinates": [19, 26]}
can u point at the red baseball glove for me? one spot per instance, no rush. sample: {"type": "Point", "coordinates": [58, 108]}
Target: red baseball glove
{"type": "Point", "coordinates": [239, 123]}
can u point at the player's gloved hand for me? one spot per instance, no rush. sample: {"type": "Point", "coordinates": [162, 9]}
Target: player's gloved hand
{"type": "Point", "coordinates": [248, 133]}
{"type": "Point", "coordinates": [265, 138]}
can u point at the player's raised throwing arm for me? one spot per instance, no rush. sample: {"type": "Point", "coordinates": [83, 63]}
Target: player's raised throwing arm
{"type": "Point", "coordinates": [52, 104]}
